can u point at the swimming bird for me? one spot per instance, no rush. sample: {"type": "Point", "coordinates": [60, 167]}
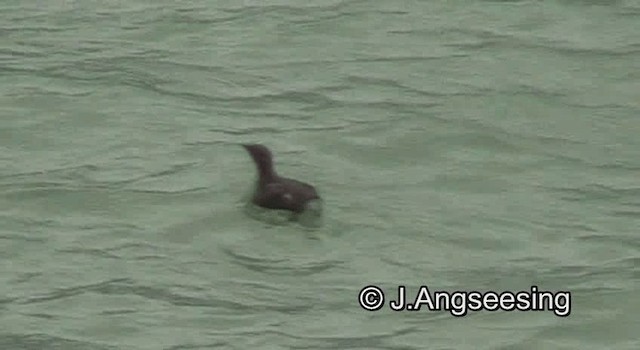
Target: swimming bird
{"type": "Point", "coordinates": [274, 191]}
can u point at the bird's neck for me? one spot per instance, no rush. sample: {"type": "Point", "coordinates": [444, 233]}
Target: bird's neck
{"type": "Point", "coordinates": [266, 173]}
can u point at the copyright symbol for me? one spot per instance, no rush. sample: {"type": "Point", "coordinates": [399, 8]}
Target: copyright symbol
{"type": "Point", "coordinates": [371, 298]}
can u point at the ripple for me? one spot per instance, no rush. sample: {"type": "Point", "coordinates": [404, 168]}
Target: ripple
{"type": "Point", "coordinates": [597, 192]}
{"type": "Point", "coordinates": [285, 266]}
{"type": "Point", "coordinates": [72, 291]}
{"type": "Point", "coordinates": [87, 177]}
{"type": "Point", "coordinates": [205, 346]}
{"type": "Point", "coordinates": [21, 237]}
{"type": "Point", "coordinates": [373, 340]}
{"type": "Point", "coordinates": [276, 130]}
{"type": "Point", "coordinates": [45, 341]}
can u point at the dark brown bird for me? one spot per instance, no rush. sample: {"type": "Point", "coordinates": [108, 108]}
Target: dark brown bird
{"type": "Point", "coordinates": [276, 192]}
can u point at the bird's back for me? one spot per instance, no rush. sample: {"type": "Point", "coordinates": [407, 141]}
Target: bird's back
{"type": "Point", "coordinates": [285, 193]}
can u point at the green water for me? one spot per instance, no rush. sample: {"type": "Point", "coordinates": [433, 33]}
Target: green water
{"type": "Point", "coordinates": [478, 145]}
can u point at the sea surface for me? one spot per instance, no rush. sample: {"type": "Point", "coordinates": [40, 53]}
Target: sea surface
{"type": "Point", "coordinates": [485, 146]}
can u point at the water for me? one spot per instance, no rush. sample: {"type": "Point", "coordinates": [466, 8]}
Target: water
{"type": "Point", "coordinates": [485, 145]}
